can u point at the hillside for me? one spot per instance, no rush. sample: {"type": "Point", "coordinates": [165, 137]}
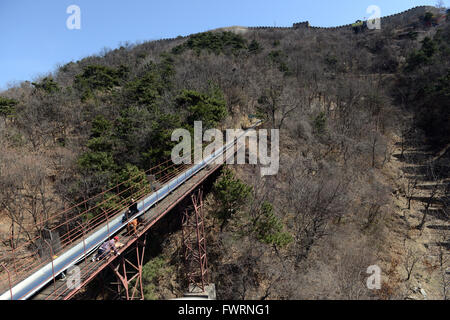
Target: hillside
{"type": "Point", "coordinates": [364, 133]}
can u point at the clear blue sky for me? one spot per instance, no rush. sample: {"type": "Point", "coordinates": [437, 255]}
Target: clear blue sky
{"type": "Point", "coordinates": [34, 37]}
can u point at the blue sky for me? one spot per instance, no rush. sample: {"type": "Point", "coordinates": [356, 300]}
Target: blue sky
{"type": "Point", "coordinates": [34, 37]}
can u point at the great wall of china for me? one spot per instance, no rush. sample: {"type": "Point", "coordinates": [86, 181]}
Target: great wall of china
{"type": "Point", "coordinates": [394, 18]}
{"type": "Point", "coordinates": [387, 20]}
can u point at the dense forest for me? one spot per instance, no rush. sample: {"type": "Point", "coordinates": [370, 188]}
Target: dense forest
{"type": "Point", "coordinates": [348, 103]}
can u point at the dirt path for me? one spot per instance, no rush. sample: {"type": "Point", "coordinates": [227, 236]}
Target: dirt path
{"type": "Point", "coordinates": [421, 185]}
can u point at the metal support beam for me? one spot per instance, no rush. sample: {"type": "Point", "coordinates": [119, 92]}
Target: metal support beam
{"type": "Point", "coordinates": [194, 242]}
{"type": "Point", "coordinates": [129, 274]}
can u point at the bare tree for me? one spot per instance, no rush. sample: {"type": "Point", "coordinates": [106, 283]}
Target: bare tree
{"type": "Point", "coordinates": [316, 201]}
{"type": "Point", "coordinates": [411, 258]}
{"type": "Point", "coordinates": [27, 197]}
{"type": "Point", "coordinates": [279, 101]}
{"type": "Point", "coordinates": [431, 197]}
{"type": "Point", "coordinates": [351, 272]}
{"type": "Point", "coordinates": [411, 190]}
